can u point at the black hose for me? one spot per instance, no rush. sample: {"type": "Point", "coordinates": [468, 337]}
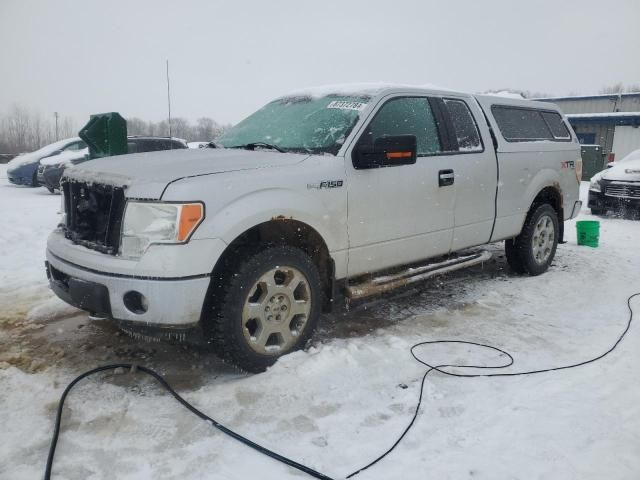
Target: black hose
{"type": "Point", "coordinates": [299, 466]}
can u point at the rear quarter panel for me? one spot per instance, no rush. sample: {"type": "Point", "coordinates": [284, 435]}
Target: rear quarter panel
{"type": "Point", "coordinates": [526, 168]}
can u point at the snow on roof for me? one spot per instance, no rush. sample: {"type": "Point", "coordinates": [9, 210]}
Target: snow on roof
{"type": "Point", "coordinates": [370, 89]}
{"type": "Point", "coordinates": [505, 94]}
{"type": "Point", "coordinates": [41, 153]}
{"type": "Point", "coordinates": [589, 97]}
{"type": "Point", "coordinates": [65, 157]}
{"type": "Point", "coordinates": [604, 115]}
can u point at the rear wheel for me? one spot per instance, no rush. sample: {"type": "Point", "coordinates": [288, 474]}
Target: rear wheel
{"type": "Point", "coordinates": [266, 306]}
{"type": "Point", "coordinates": [534, 249]}
{"type": "Point", "coordinates": [597, 211]}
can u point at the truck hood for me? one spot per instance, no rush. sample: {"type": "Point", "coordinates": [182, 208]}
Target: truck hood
{"type": "Point", "coordinates": [624, 171]}
{"type": "Point", "coordinates": [145, 175]}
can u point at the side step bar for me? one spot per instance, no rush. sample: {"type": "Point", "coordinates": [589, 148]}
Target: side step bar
{"type": "Point", "coordinates": [385, 283]}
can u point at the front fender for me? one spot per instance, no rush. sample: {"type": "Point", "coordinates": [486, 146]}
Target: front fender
{"type": "Point", "coordinates": [268, 204]}
{"type": "Point", "coordinates": [238, 201]}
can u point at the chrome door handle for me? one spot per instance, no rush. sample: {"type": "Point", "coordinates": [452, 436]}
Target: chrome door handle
{"type": "Point", "coordinates": [446, 178]}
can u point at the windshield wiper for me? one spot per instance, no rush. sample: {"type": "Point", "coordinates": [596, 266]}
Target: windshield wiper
{"type": "Point", "coordinates": [254, 145]}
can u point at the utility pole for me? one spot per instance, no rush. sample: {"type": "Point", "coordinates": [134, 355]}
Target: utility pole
{"type": "Point", "coordinates": [55, 114]}
{"type": "Point", "coordinates": [169, 98]}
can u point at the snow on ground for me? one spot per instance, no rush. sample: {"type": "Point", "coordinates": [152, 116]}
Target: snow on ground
{"type": "Point", "coordinates": [338, 405]}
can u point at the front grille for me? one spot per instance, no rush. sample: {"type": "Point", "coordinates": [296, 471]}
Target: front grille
{"type": "Point", "coordinates": [622, 190]}
{"type": "Point", "coordinates": [94, 215]}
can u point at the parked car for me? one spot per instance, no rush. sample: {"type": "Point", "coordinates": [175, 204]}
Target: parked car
{"type": "Point", "coordinates": [22, 170]}
{"type": "Point", "coordinates": [617, 187]}
{"type": "Point", "coordinates": [251, 242]}
{"type": "Point", "coordinates": [51, 169]}
{"type": "Point", "coordinates": [198, 144]}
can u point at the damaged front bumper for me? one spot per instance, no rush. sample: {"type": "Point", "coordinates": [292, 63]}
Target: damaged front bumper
{"type": "Point", "coordinates": [161, 303]}
{"type": "Point", "coordinates": [165, 289]}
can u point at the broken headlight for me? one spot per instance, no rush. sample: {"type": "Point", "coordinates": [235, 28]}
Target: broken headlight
{"type": "Point", "coordinates": [146, 223]}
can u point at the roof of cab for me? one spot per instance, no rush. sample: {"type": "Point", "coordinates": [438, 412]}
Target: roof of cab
{"type": "Point", "coordinates": [369, 89]}
{"type": "Point", "coordinates": [516, 102]}
{"type": "Point", "coordinates": [379, 89]}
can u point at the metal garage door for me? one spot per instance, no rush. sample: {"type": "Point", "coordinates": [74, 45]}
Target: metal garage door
{"type": "Point", "coordinates": [626, 139]}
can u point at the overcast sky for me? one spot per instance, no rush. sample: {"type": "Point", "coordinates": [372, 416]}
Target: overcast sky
{"type": "Point", "coordinates": [229, 58]}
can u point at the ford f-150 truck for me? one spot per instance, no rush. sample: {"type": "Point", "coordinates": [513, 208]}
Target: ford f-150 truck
{"type": "Point", "coordinates": [319, 195]}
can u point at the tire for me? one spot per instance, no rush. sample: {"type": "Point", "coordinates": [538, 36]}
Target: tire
{"type": "Point", "coordinates": [51, 190]}
{"type": "Point", "coordinates": [597, 211]}
{"type": "Point", "coordinates": [512, 256]}
{"type": "Point", "coordinates": [266, 305]}
{"type": "Point", "coordinates": [533, 250]}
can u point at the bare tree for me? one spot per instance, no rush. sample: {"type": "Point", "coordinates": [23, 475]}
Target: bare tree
{"type": "Point", "coordinates": [620, 88]}
{"type": "Point", "coordinates": [17, 124]}
{"type": "Point", "coordinates": [136, 126]}
{"type": "Point", "coordinates": [22, 130]}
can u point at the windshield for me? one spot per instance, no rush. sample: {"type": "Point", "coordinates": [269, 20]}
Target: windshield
{"type": "Point", "coordinates": [299, 124]}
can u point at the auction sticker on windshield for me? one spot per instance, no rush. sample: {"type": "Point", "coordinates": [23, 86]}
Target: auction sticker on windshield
{"type": "Point", "coordinates": [346, 105]}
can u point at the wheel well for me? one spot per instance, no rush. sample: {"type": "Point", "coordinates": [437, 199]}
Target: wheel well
{"type": "Point", "coordinates": [553, 197]}
{"type": "Point", "coordinates": [283, 232]}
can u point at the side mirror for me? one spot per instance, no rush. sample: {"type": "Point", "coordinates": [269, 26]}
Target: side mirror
{"type": "Point", "coordinates": [387, 151]}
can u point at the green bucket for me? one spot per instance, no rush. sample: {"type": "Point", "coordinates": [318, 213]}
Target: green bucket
{"type": "Point", "coordinates": [588, 232]}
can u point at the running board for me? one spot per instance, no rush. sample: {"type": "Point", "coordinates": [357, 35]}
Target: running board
{"type": "Point", "coordinates": [385, 283]}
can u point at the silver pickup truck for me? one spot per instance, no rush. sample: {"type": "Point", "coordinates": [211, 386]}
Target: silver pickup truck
{"type": "Point", "coordinates": [319, 195]}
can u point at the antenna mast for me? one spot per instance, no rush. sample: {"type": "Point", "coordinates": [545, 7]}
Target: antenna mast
{"type": "Point", "coordinates": [169, 98]}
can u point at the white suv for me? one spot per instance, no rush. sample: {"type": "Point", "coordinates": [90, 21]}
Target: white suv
{"type": "Point", "coordinates": [321, 194]}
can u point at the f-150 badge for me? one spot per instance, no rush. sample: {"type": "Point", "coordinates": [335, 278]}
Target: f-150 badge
{"type": "Point", "coordinates": [326, 184]}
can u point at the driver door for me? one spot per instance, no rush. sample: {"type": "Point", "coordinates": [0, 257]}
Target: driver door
{"type": "Point", "coordinates": [401, 213]}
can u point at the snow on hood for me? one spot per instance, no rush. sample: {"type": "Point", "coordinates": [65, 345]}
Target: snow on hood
{"type": "Point", "coordinates": [147, 174]}
{"type": "Point", "coordinates": [45, 151]}
{"type": "Point", "coordinates": [65, 157]}
{"type": "Point", "coordinates": [626, 170]}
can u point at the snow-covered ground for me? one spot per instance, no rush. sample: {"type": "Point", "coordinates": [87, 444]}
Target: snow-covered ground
{"type": "Point", "coordinates": [338, 405]}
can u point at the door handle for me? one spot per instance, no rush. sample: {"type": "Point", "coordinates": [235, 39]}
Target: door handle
{"type": "Point", "coordinates": [446, 178]}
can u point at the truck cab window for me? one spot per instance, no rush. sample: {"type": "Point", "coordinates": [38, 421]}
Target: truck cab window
{"type": "Point", "coordinates": [464, 126]}
{"type": "Point", "coordinates": [557, 126]}
{"type": "Point", "coordinates": [406, 116]}
{"type": "Point", "coordinates": [521, 124]}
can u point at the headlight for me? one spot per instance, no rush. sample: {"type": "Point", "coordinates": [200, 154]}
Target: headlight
{"type": "Point", "coordinates": [146, 223]}
{"type": "Point", "coordinates": [594, 186]}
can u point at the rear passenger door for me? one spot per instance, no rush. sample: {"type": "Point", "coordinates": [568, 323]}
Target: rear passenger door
{"type": "Point", "coordinates": [473, 161]}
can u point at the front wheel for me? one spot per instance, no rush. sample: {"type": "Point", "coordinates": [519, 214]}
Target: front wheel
{"type": "Point", "coordinates": [533, 250]}
{"type": "Point", "coordinates": [264, 306]}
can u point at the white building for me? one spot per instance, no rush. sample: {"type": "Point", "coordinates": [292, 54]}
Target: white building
{"type": "Point", "coordinates": [611, 120]}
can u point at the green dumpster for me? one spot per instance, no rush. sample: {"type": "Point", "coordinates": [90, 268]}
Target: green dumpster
{"type": "Point", "coordinates": [105, 134]}
{"type": "Point", "coordinates": [592, 160]}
